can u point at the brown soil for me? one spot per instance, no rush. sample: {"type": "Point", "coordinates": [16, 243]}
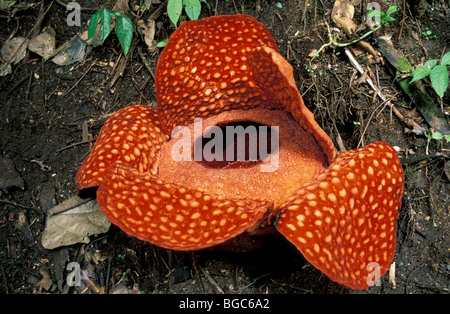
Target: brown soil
{"type": "Point", "coordinates": [43, 108]}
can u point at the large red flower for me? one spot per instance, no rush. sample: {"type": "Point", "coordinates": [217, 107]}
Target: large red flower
{"type": "Point", "coordinates": [225, 71]}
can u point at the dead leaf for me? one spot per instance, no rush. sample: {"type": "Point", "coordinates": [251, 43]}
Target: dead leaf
{"type": "Point", "coordinates": [47, 196]}
{"type": "Point", "coordinates": [342, 9]}
{"type": "Point", "coordinates": [342, 14]}
{"type": "Point", "coordinates": [23, 226]}
{"type": "Point", "coordinates": [14, 50]}
{"type": "Point", "coordinates": [368, 47]}
{"type": "Point", "coordinates": [9, 177]}
{"type": "Point", "coordinates": [74, 225]}
{"type": "Point", "coordinates": [5, 69]}
{"type": "Point", "coordinates": [73, 52]}
{"type": "Point", "coordinates": [122, 6]}
{"type": "Point", "coordinates": [45, 282]}
{"type": "Point", "coordinates": [447, 169]}
{"type": "Point", "coordinates": [44, 44]}
{"type": "Point", "coordinates": [148, 30]}
{"type": "Point", "coordinates": [4, 4]}
{"type": "Point", "coordinates": [313, 53]}
{"type": "Point", "coordinates": [122, 289]}
{"type": "Point", "coordinates": [347, 24]}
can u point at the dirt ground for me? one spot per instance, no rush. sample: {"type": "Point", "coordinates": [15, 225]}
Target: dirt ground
{"type": "Point", "coordinates": [43, 107]}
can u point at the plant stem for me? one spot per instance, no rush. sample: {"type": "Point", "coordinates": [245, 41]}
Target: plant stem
{"type": "Point", "coordinates": [341, 45]}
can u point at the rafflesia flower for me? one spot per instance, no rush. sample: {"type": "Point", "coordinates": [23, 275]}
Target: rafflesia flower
{"type": "Point", "coordinates": [225, 73]}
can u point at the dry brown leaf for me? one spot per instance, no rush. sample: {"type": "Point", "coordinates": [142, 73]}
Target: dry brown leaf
{"type": "Point", "coordinates": [9, 177]}
{"type": "Point", "coordinates": [347, 25]}
{"type": "Point", "coordinates": [44, 44]}
{"type": "Point", "coordinates": [122, 6]}
{"type": "Point", "coordinates": [14, 50]}
{"type": "Point", "coordinates": [342, 9]}
{"type": "Point", "coordinates": [73, 51]}
{"type": "Point", "coordinates": [74, 225]}
{"type": "Point", "coordinates": [148, 28]}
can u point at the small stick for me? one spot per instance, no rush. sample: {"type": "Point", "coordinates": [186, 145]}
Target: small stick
{"type": "Point", "coordinates": [15, 204]}
{"type": "Point", "coordinates": [211, 280]}
{"type": "Point", "coordinates": [392, 275]}
{"type": "Point", "coordinates": [145, 61]}
{"type": "Point", "coordinates": [417, 129]}
{"type": "Point", "coordinates": [197, 275]}
{"type": "Point", "coordinates": [75, 144]}
{"type": "Point", "coordinates": [39, 21]}
{"type": "Point", "coordinates": [79, 80]}
{"type": "Point", "coordinates": [403, 21]}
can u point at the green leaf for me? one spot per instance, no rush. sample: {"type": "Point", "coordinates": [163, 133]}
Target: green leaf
{"type": "Point", "coordinates": [105, 23]}
{"type": "Point", "coordinates": [124, 31]}
{"type": "Point", "coordinates": [439, 79]}
{"type": "Point", "coordinates": [437, 136]}
{"type": "Point", "coordinates": [391, 10]}
{"type": "Point", "coordinates": [419, 73]}
{"type": "Point", "coordinates": [162, 43]}
{"type": "Point", "coordinates": [93, 24]}
{"type": "Point", "coordinates": [6, 4]}
{"type": "Point", "coordinates": [446, 59]}
{"type": "Point", "coordinates": [431, 63]}
{"type": "Point", "coordinates": [192, 8]}
{"type": "Point", "coordinates": [115, 14]}
{"type": "Point", "coordinates": [375, 13]}
{"type": "Point", "coordinates": [174, 8]}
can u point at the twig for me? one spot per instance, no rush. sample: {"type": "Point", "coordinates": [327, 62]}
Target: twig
{"type": "Point", "coordinates": [403, 21]}
{"type": "Point", "coordinates": [416, 127]}
{"type": "Point", "coordinates": [194, 265]}
{"type": "Point", "coordinates": [40, 18]}
{"type": "Point", "coordinates": [75, 144]}
{"type": "Point", "coordinates": [254, 281]}
{"type": "Point", "coordinates": [343, 45]}
{"type": "Point", "coordinates": [79, 80]}
{"type": "Point", "coordinates": [235, 7]}
{"type": "Point", "coordinates": [15, 204]}
{"type": "Point", "coordinates": [146, 63]}
{"type": "Point", "coordinates": [211, 280]}
{"type": "Point", "coordinates": [41, 164]}
{"type": "Point", "coordinates": [415, 159]}
{"type": "Point", "coordinates": [81, 8]}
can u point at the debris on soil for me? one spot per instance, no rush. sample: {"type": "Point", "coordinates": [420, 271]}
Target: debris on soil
{"type": "Point", "coordinates": [73, 222]}
{"type": "Point", "coordinates": [14, 50]}
{"type": "Point", "coordinates": [74, 51]}
{"type": "Point", "coordinates": [44, 44]}
{"type": "Point", "coordinates": [9, 177]}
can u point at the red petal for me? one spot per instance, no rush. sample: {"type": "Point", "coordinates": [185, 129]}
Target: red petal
{"type": "Point", "coordinates": [346, 218]}
{"type": "Point", "coordinates": [171, 216]}
{"type": "Point", "coordinates": [273, 74]}
{"type": "Point", "coordinates": [204, 70]}
{"type": "Point", "coordinates": [131, 136]}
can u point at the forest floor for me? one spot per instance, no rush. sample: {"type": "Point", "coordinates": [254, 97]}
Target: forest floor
{"type": "Point", "coordinates": [44, 106]}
